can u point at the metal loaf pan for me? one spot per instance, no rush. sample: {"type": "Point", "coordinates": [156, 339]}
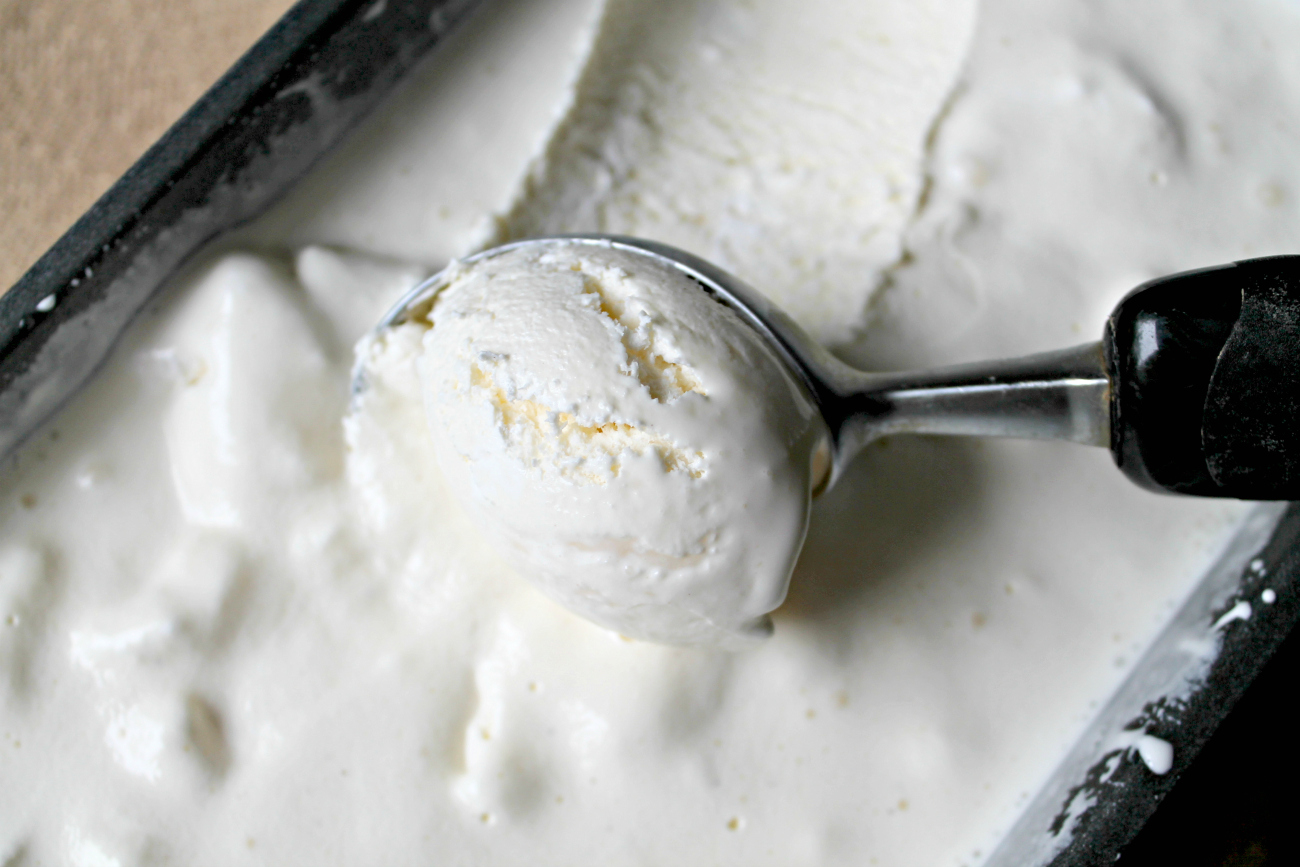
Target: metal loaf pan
{"type": "Point", "coordinates": [294, 96]}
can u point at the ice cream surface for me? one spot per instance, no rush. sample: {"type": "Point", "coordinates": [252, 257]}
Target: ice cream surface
{"type": "Point", "coordinates": [631, 445]}
{"type": "Point", "coordinates": [241, 624]}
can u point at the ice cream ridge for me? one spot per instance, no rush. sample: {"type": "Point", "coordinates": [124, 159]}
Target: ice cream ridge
{"type": "Point", "coordinates": [621, 437]}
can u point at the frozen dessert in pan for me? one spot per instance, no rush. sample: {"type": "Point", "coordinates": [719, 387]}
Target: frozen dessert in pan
{"type": "Point", "coordinates": [245, 619]}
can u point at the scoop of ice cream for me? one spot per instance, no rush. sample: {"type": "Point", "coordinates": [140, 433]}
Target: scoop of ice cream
{"type": "Point", "coordinates": [622, 438]}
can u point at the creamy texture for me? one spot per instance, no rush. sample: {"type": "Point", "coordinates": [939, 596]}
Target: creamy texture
{"type": "Point", "coordinates": [736, 132]}
{"type": "Point", "coordinates": [236, 630]}
{"type": "Point", "coordinates": [631, 445]}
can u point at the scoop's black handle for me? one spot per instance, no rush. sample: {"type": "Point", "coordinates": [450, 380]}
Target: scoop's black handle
{"type": "Point", "coordinates": [1205, 381]}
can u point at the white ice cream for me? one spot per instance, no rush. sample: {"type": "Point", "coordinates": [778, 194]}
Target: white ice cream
{"type": "Point", "coordinates": [236, 628]}
{"type": "Point", "coordinates": [736, 132]}
{"type": "Point", "coordinates": [630, 444]}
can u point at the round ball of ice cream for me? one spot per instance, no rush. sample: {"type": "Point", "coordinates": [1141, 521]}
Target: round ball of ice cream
{"type": "Point", "coordinates": [623, 439]}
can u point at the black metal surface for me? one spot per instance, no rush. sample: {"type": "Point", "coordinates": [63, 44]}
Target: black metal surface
{"type": "Point", "coordinates": [1161, 345]}
{"type": "Point", "coordinates": [1180, 691]}
{"type": "Point", "coordinates": [321, 69]}
{"type": "Point", "coordinates": [316, 74]}
{"type": "Point", "coordinates": [1205, 373]}
{"type": "Point", "coordinates": [1234, 807]}
{"type": "Point", "coordinates": [1126, 795]}
{"type": "Point", "coordinates": [1251, 429]}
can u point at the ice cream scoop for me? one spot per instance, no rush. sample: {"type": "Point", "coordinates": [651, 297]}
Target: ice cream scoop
{"type": "Point", "coordinates": [641, 432]}
{"type": "Point", "coordinates": [633, 447]}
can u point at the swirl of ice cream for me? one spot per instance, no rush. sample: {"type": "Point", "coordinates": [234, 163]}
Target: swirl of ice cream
{"type": "Point", "coordinates": [623, 439]}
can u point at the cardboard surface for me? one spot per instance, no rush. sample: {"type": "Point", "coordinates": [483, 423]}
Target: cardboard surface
{"type": "Point", "coordinates": [87, 87]}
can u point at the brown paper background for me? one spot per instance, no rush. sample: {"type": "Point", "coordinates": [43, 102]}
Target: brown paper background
{"type": "Point", "coordinates": [86, 86]}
